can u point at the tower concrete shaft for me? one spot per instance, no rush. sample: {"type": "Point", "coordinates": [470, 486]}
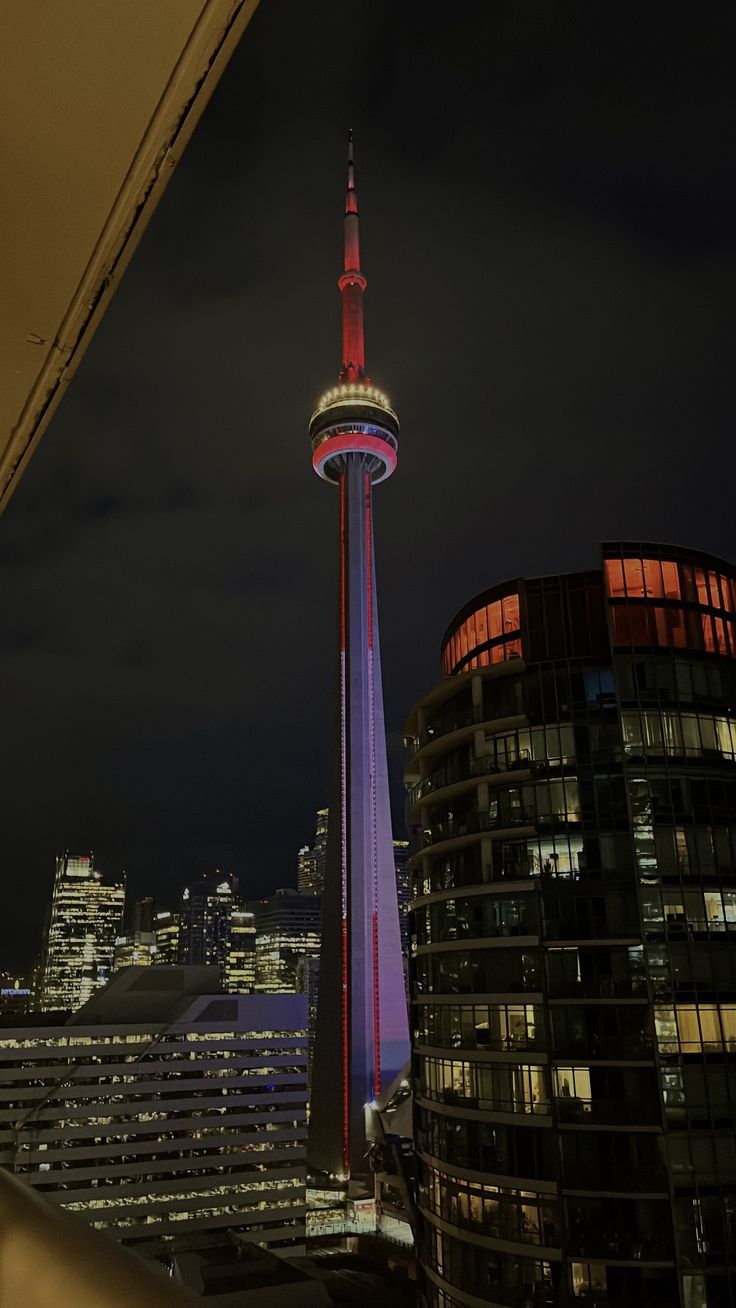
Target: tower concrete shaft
{"type": "Point", "coordinates": [362, 1038]}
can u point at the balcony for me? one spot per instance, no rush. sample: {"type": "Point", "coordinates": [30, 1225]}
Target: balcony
{"type": "Point", "coordinates": [456, 772]}
{"type": "Point", "coordinates": [625, 1178]}
{"type": "Point", "coordinates": [607, 1112]}
{"type": "Point", "coordinates": [456, 1099]}
{"type": "Point", "coordinates": [475, 823]}
{"type": "Point", "coordinates": [502, 1222]}
{"type": "Point", "coordinates": [598, 987]}
{"type": "Point", "coordinates": [51, 1259]}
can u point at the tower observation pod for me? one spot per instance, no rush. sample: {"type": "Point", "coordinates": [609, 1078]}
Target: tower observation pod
{"type": "Point", "coordinates": [362, 1035]}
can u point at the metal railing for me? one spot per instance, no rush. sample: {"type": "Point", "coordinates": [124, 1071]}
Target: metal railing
{"type": "Point", "coordinates": [50, 1258]}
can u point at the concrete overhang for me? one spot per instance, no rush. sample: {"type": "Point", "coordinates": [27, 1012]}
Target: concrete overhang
{"type": "Point", "coordinates": [97, 102]}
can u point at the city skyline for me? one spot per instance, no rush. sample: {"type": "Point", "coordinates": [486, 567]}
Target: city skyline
{"type": "Point", "coordinates": [550, 260]}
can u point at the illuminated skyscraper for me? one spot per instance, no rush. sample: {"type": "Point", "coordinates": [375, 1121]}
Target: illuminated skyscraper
{"type": "Point", "coordinates": [166, 931]}
{"type": "Point", "coordinates": [572, 798]}
{"type": "Point", "coordinates": [86, 918]}
{"type": "Point", "coordinates": [204, 921]}
{"type": "Point", "coordinates": [362, 1029]}
{"type": "Point", "coordinates": [240, 970]}
{"type": "Point", "coordinates": [312, 859]}
{"type": "Point", "coordinates": [137, 948]}
{"type": "Point", "coordinates": [286, 930]}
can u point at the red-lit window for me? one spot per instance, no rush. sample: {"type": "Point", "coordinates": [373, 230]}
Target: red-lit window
{"type": "Point", "coordinates": [634, 574]}
{"type": "Point", "coordinates": [670, 627]}
{"type": "Point", "coordinates": [701, 585]}
{"type": "Point", "coordinates": [652, 570]}
{"type": "Point", "coordinates": [641, 627]}
{"type": "Point", "coordinates": [511, 613]}
{"type": "Point", "coordinates": [632, 625]}
{"type": "Point", "coordinates": [493, 622]}
{"type": "Point", "coordinates": [472, 638]}
{"type": "Point", "coordinates": [621, 625]}
{"type": "Point", "coordinates": [495, 628]}
{"type": "Point", "coordinates": [709, 641]}
{"type": "Point", "coordinates": [721, 642]}
{"type": "Point", "coordinates": [670, 580]}
{"type": "Point", "coordinates": [615, 578]}
{"type": "Point", "coordinates": [463, 636]}
{"type": "Point", "coordinates": [715, 594]}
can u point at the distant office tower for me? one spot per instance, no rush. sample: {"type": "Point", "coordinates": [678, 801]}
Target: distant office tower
{"type": "Point", "coordinates": [240, 973]}
{"type": "Point", "coordinates": [362, 1038]}
{"type": "Point", "coordinates": [137, 947]}
{"type": "Point", "coordinates": [572, 786]}
{"type": "Point", "coordinates": [164, 1110]}
{"type": "Point", "coordinates": [204, 924]}
{"type": "Point", "coordinates": [143, 914]}
{"type": "Point", "coordinates": [306, 873]}
{"type": "Point", "coordinates": [287, 928]}
{"type": "Point", "coordinates": [166, 933]}
{"type": "Point", "coordinates": [307, 983]}
{"type": "Point", "coordinates": [86, 918]}
{"type": "Point", "coordinates": [312, 859]}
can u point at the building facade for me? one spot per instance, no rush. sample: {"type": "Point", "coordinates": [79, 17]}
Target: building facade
{"type": "Point", "coordinates": [166, 932]}
{"type": "Point", "coordinates": [85, 920]}
{"type": "Point", "coordinates": [136, 949]}
{"type": "Point", "coordinates": [287, 929]}
{"type": "Point", "coordinates": [572, 799]}
{"type": "Point", "coordinates": [204, 920]}
{"type": "Point", "coordinates": [163, 1111]}
{"type": "Point", "coordinates": [312, 859]}
{"type": "Point", "coordinates": [362, 1038]}
{"type": "Point", "coordinates": [403, 890]}
{"type": "Point", "coordinates": [240, 972]}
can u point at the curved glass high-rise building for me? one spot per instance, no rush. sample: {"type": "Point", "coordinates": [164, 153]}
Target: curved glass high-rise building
{"type": "Point", "coordinates": [572, 801]}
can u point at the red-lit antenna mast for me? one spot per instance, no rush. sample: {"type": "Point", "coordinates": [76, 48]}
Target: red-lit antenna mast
{"type": "Point", "coordinates": [352, 285]}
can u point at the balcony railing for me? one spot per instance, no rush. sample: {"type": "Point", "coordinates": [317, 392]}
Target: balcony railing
{"type": "Point", "coordinates": [51, 1259]}
{"type": "Point", "coordinates": [598, 987]}
{"type": "Point", "coordinates": [472, 823]}
{"type": "Point", "coordinates": [456, 1099]}
{"type": "Point", "coordinates": [627, 1178]}
{"type": "Point", "coordinates": [485, 766]}
{"type": "Point", "coordinates": [611, 1112]}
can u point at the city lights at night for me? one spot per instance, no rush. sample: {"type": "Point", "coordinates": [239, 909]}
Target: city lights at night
{"type": "Point", "coordinates": [338, 968]}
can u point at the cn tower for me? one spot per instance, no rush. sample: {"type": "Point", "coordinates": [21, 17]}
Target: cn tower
{"type": "Point", "coordinates": [362, 1035]}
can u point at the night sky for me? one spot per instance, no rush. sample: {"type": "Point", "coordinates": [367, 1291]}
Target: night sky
{"type": "Point", "coordinates": [548, 230]}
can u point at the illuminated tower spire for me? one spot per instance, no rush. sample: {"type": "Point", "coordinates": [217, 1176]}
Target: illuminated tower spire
{"type": "Point", "coordinates": [352, 284]}
{"type": "Point", "coordinates": [362, 1038]}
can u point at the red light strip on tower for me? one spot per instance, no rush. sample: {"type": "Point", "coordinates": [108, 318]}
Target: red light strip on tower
{"type": "Point", "coordinates": [344, 849]}
{"type": "Point", "coordinates": [372, 781]}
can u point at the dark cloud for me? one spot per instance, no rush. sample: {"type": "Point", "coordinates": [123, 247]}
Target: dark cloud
{"type": "Point", "coordinates": [548, 207]}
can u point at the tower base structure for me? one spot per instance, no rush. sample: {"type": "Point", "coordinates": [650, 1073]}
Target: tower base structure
{"type": "Point", "coordinates": [362, 1037]}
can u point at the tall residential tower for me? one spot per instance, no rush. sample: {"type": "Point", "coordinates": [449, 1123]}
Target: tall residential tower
{"type": "Point", "coordinates": [572, 798]}
{"type": "Point", "coordinates": [86, 918]}
{"type": "Point", "coordinates": [354, 433]}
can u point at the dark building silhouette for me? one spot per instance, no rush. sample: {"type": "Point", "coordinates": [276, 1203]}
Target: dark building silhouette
{"type": "Point", "coordinates": [287, 929]}
{"type": "Point", "coordinates": [572, 799]}
{"type": "Point", "coordinates": [312, 859]}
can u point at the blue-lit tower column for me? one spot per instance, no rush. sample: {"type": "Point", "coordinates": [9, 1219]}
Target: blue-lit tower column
{"type": "Point", "coordinates": [362, 1038]}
